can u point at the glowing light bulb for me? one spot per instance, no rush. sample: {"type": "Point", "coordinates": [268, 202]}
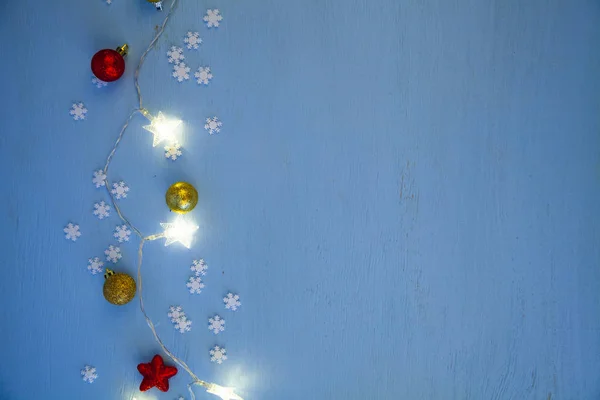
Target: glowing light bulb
{"type": "Point", "coordinates": [142, 396]}
{"type": "Point", "coordinates": [225, 393]}
{"type": "Point", "coordinates": [162, 128]}
{"type": "Point", "coordinates": [181, 230]}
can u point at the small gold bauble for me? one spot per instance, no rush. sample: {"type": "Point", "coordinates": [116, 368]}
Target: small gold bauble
{"type": "Point", "coordinates": [119, 288]}
{"type": "Point", "coordinates": [181, 197]}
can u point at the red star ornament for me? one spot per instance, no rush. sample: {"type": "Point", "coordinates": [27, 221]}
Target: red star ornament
{"type": "Point", "coordinates": [156, 373]}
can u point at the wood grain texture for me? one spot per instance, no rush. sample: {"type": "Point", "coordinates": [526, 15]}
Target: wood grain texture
{"type": "Point", "coordinates": [404, 193]}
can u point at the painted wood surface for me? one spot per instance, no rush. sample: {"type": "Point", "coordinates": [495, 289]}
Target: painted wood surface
{"type": "Point", "coordinates": [404, 193]}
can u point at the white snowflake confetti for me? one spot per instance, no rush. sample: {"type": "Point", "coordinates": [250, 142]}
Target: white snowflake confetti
{"type": "Point", "coordinates": [120, 190]}
{"type": "Point", "coordinates": [72, 232]}
{"type": "Point", "coordinates": [195, 285]}
{"type": "Point", "coordinates": [203, 75]}
{"type": "Point", "coordinates": [108, 1]}
{"type": "Point", "coordinates": [173, 151]}
{"type": "Point", "coordinates": [95, 266]}
{"type": "Point", "coordinates": [97, 82]}
{"type": "Point", "coordinates": [183, 325]}
{"type": "Point", "coordinates": [213, 125]}
{"type": "Point", "coordinates": [99, 178]}
{"type": "Point", "coordinates": [175, 313]}
{"type": "Point", "coordinates": [192, 40]}
{"type": "Point", "coordinates": [101, 210]}
{"type": "Point", "coordinates": [181, 72]}
{"type": "Point", "coordinates": [216, 324]}
{"type": "Point", "coordinates": [175, 55]}
{"type": "Point", "coordinates": [232, 301]}
{"type": "Point", "coordinates": [199, 267]}
{"type": "Point", "coordinates": [218, 354]}
{"type": "Point", "coordinates": [78, 111]}
{"type": "Point", "coordinates": [89, 374]}
{"type": "Point", "coordinates": [113, 253]}
{"type": "Point", "coordinates": [179, 319]}
{"type": "Point", "coordinates": [122, 233]}
{"type": "Point", "coordinates": [212, 18]}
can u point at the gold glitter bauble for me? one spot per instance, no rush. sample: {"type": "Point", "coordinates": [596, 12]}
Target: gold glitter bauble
{"type": "Point", "coordinates": [181, 197]}
{"type": "Point", "coordinates": [119, 288]}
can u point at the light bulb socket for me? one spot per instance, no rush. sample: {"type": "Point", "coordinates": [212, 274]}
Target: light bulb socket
{"type": "Point", "coordinates": [146, 114]}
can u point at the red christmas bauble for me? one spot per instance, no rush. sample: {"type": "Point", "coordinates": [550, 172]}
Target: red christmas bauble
{"type": "Point", "coordinates": [108, 65]}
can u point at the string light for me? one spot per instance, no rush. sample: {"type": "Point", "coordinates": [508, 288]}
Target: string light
{"type": "Point", "coordinates": [225, 393]}
{"type": "Point", "coordinates": [180, 230]}
{"type": "Point", "coordinates": [161, 127]}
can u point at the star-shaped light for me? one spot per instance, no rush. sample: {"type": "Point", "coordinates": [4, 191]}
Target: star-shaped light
{"type": "Point", "coordinates": [162, 128]}
{"type": "Point", "coordinates": [181, 230]}
{"type": "Point", "coordinates": [225, 393]}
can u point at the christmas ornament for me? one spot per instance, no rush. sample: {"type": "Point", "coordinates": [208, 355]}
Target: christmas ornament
{"type": "Point", "coordinates": [119, 288]}
{"type": "Point", "coordinates": [156, 374]}
{"type": "Point", "coordinates": [181, 197]}
{"type": "Point", "coordinates": [108, 65]}
{"type": "Point", "coordinates": [157, 4]}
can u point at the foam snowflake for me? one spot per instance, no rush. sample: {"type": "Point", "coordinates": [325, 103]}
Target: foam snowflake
{"type": "Point", "coordinates": [218, 354]}
{"type": "Point", "coordinates": [101, 210]}
{"type": "Point", "coordinates": [199, 267]}
{"type": "Point", "coordinates": [122, 233]}
{"type": "Point", "coordinates": [181, 72]}
{"type": "Point", "coordinates": [109, 2]}
{"type": "Point", "coordinates": [203, 75]}
{"type": "Point", "coordinates": [89, 374]}
{"type": "Point", "coordinates": [120, 190]}
{"type": "Point", "coordinates": [216, 324]}
{"type": "Point", "coordinates": [213, 125]}
{"type": "Point", "coordinates": [179, 319]}
{"type": "Point", "coordinates": [175, 55]}
{"type": "Point", "coordinates": [183, 325]}
{"type": "Point", "coordinates": [232, 301]}
{"type": "Point", "coordinates": [192, 40]}
{"type": "Point", "coordinates": [113, 253]}
{"type": "Point", "coordinates": [97, 82]}
{"type": "Point", "coordinates": [195, 285]}
{"type": "Point", "coordinates": [175, 313]}
{"type": "Point", "coordinates": [95, 266]}
{"type": "Point", "coordinates": [173, 151]}
{"type": "Point", "coordinates": [99, 178]}
{"type": "Point", "coordinates": [212, 18]}
{"type": "Point", "coordinates": [78, 111]}
{"type": "Point", "coordinates": [72, 232]}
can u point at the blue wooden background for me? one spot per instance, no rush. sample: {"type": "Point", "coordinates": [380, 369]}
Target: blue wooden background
{"type": "Point", "coordinates": [404, 193]}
